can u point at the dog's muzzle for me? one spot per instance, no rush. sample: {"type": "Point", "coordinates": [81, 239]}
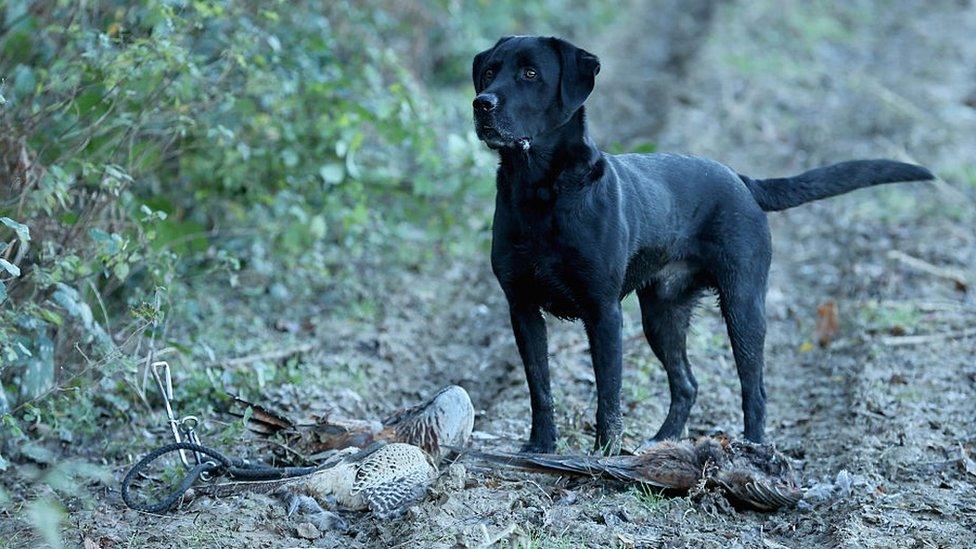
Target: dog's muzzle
{"type": "Point", "coordinates": [487, 125]}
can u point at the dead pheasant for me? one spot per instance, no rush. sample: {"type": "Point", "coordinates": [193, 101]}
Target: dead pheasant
{"type": "Point", "coordinates": [444, 421]}
{"type": "Point", "coordinates": [750, 475]}
{"type": "Point", "coordinates": [393, 471]}
{"type": "Point", "coordinates": [384, 479]}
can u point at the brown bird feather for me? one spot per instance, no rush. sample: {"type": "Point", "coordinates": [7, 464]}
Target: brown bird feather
{"type": "Point", "coordinates": [444, 420]}
{"type": "Point", "coordinates": [751, 475]}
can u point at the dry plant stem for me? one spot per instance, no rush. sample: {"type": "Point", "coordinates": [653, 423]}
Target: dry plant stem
{"type": "Point", "coordinates": [928, 268]}
{"type": "Point", "coordinates": [490, 541]}
{"type": "Point", "coordinates": [270, 355]}
{"type": "Point", "coordinates": [900, 341]}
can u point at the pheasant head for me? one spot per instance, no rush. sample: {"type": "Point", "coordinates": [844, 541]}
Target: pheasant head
{"type": "Point", "coordinates": [442, 422]}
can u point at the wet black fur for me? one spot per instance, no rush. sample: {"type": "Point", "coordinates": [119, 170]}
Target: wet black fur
{"type": "Point", "coordinates": [576, 230]}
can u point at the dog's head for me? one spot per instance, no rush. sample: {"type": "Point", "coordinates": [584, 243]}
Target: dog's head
{"type": "Point", "coordinates": [528, 85]}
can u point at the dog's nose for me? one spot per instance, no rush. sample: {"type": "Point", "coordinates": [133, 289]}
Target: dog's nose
{"type": "Point", "coordinates": [485, 102]}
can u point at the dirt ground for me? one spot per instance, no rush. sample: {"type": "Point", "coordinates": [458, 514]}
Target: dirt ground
{"type": "Point", "coordinates": [880, 424]}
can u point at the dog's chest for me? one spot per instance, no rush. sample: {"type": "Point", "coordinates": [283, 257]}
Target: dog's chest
{"type": "Point", "coordinates": [544, 264]}
{"type": "Point", "coordinates": [547, 280]}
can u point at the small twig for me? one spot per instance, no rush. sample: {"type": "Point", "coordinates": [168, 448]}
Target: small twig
{"type": "Point", "coordinates": [893, 98]}
{"type": "Point", "coordinates": [101, 305]}
{"type": "Point", "coordinates": [928, 268]}
{"type": "Point", "coordinates": [901, 341]}
{"type": "Point", "coordinates": [290, 450]}
{"type": "Point", "coordinates": [142, 397]}
{"type": "Point", "coordinates": [270, 355]}
{"type": "Point", "coordinates": [924, 306]}
{"type": "Point", "coordinates": [490, 541]}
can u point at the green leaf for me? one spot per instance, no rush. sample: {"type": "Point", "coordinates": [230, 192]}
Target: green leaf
{"type": "Point", "coordinates": [10, 423]}
{"type": "Point", "coordinates": [332, 173]}
{"type": "Point", "coordinates": [351, 166]}
{"type": "Point", "coordinates": [70, 300]}
{"type": "Point", "coordinates": [116, 172]}
{"type": "Point", "coordinates": [289, 157]}
{"type": "Point", "coordinates": [121, 271]}
{"type": "Point", "coordinates": [317, 228]}
{"type": "Point", "coordinates": [10, 267]}
{"type": "Point", "coordinates": [38, 376]}
{"type": "Point", "coordinates": [51, 317]}
{"type": "Point", "coordinates": [22, 231]}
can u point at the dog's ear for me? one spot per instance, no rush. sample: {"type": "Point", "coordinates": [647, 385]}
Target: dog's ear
{"type": "Point", "coordinates": [478, 66]}
{"type": "Point", "coordinates": [578, 73]}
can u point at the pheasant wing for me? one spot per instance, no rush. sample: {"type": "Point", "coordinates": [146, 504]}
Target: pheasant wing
{"type": "Point", "coordinates": [392, 477]}
{"type": "Point", "coordinates": [758, 493]}
{"type": "Point", "coordinates": [391, 498]}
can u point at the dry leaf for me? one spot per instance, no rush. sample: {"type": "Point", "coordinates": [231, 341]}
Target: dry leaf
{"type": "Point", "coordinates": [827, 324]}
{"type": "Point", "coordinates": [967, 464]}
{"type": "Point", "coordinates": [307, 530]}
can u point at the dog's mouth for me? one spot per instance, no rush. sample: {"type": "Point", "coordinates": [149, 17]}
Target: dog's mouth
{"type": "Point", "coordinates": [497, 140]}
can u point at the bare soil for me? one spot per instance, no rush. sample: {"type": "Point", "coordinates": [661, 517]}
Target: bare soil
{"type": "Point", "coordinates": [880, 424]}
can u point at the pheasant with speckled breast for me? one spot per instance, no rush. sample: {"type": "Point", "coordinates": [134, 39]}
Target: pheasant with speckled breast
{"type": "Point", "coordinates": [378, 466]}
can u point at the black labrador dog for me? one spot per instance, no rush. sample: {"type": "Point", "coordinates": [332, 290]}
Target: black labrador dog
{"type": "Point", "coordinates": [576, 230]}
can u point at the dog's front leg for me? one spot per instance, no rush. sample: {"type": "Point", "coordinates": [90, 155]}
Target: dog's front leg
{"type": "Point", "coordinates": [603, 328]}
{"type": "Point", "coordinates": [530, 336]}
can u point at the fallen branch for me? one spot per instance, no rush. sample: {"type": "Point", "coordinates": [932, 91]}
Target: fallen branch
{"type": "Point", "coordinates": [924, 266]}
{"type": "Point", "coordinates": [901, 341]}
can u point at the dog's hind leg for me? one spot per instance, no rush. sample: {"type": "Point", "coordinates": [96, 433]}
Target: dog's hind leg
{"type": "Point", "coordinates": [665, 327]}
{"type": "Point", "coordinates": [743, 302]}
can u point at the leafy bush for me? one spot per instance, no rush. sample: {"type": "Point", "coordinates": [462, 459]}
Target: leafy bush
{"type": "Point", "coordinates": [144, 141]}
{"type": "Point", "coordinates": [148, 148]}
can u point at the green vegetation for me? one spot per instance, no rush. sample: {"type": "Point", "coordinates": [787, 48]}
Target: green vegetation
{"type": "Point", "coordinates": [889, 317]}
{"type": "Point", "coordinates": [544, 540]}
{"type": "Point", "coordinates": [650, 499]}
{"type": "Point", "coordinates": [154, 151]}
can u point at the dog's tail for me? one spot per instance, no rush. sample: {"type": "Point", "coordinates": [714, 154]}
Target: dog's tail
{"type": "Point", "coordinates": [786, 192]}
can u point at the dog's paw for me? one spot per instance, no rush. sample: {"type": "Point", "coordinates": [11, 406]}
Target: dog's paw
{"type": "Point", "coordinates": [533, 447]}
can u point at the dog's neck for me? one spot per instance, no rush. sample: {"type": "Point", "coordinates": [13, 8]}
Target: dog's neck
{"type": "Point", "coordinates": [564, 156]}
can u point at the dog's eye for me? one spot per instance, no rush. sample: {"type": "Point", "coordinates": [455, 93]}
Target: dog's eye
{"type": "Point", "coordinates": [488, 75]}
{"type": "Point", "coordinates": [530, 74]}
